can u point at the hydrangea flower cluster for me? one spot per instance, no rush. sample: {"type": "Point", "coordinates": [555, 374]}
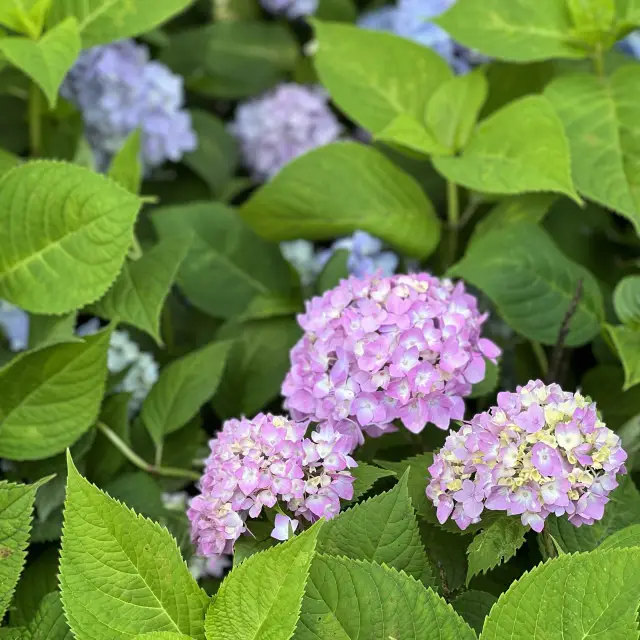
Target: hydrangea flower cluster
{"type": "Point", "coordinates": [410, 19]}
{"type": "Point", "coordinates": [282, 125]}
{"type": "Point", "coordinates": [631, 44]}
{"type": "Point", "coordinates": [378, 349]}
{"type": "Point", "coordinates": [118, 89]}
{"type": "Point", "coordinates": [541, 451]}
{"type": "Point", "coordinates": [291, 8]}
{"type": "Point", "coordinates": [259, 463]}
{"type": "Point", "coordinates": [14, 323]}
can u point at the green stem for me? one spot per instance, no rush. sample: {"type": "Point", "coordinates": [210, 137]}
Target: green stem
{"type": "Point", "coordinates": [453, 219]}
{"type": "Point", "coordinates": [598, 61]}
{"type": "Point", "coordinates": [541, 357]}
{"type": "Point", "coordinates": [135, 251]}
{"type": "Point", "coordinates": [141, 463]}
{"type": "Point", "coordinates": [35, 120]}
{"type": "Point", "coordinates": [550, 548]}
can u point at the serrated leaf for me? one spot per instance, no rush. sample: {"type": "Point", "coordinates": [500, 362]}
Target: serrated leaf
{"type": "Point", "coordinates": [108, 553]}
{"type": "Point", "coordinates": [348, 599]}
{"type": "Point", "coordinates": [46, 331]}
{"type": "Point", "coordinates": [366, 476]}
{"type": "Point", "coordinates": [367, 192]}
{"type": "Point", "coordinates": [183, 387]}
{"type": "Point", "coordinates": [494, 545]}
{"type": "Point", "coordinates": [138, 296]}
{"type": "Point", "coordinates": [627, 344]}
{"type": "Point", "coordinates": [47, 60]}
{"type": "Point", "coordinates": [626, 301]}
{"type": "Point", "coordinates": [519, 149]}
{"type": "Point", "coordinates": [8, 161]}
{"type": "Point", "coordinates": [51, 397]}
{"type": "Point", "coordinates": [16, 510]}
{"type": "Point", "coordinates": [64, 233]}
{"type": "Point", "coordinates": [49, 622]}
{"type": "Point", "coordinates": [273, 581]}
{"type": "Point", "coordinates": [161, 635]}
{"type": "Point", "coordinates": [405, 131]}
{"type": "Point", "coordinates": [126, 168]}
{"type": "Point", "coordinates": [371, 75]}
{"type": "Point", "coordinates": [448, 554]}
{"type": "Point", "coordinates": [533, 284]}
{"type": "Point", "coordinates": [384, 529]}
{"type": "Point", "coordinates": [474, 607]}
{"type": "Point", "coordinates": [572, 597]}
{"type": "Point", "coordinates": [228, 265]}
{"type": "Point", "coordinates": [103, 21]}
{"type": "Point", "coordinates": [140, 492]}
{"type": "Point", "coordinates": [516, 30]}
{"type": "Point", "coordinates": [625, 538]}
{"type": "Point", "coordinates": [600, 116]}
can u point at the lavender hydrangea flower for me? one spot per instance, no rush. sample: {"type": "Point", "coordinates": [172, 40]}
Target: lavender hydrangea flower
{"type": "Point", "coordinates": [301, 254]}
{"type": "Point", "coordinates": [118, 89]}
{"type": "Point", "coordinates": [258, 463]}
{"type": "Point", "coordinates": [631, 44]}
{"type": "Point", "coordinates": [282, 125]}
{"type": "Point", "coordinates": [541, 451]}
{"type": "Point", "coordinates": [14, 323]}
{"type": "Point", "coordinates": [291, 8]}
{"type": "Point", "coordinates": [378, 349]}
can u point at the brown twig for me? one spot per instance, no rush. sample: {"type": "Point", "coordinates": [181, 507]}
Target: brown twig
{"type": "Point", "coordinates": [558, 349]}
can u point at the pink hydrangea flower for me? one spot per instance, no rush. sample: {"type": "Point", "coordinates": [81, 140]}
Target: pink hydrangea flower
{"type": "Point", "coordinates": [378, 349]}
{"type": "Point", "coordinates": [258, 463]}
{"type": "Point", "coordinates": [541, 451]}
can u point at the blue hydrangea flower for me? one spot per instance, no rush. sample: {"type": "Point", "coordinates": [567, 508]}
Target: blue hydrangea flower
{"type": "Point", "coordinates": [282, 125]}
{"type": "Point", "coordinates": [301, 255]}
{"type": "Point", "coordinates": [14, 324]}
{"type": "Point", "coordinates": [631, 44]}
{"type": "Point", "coordinates": [118, 89]}
{"type": "Point", "coordinates": [291, 8]}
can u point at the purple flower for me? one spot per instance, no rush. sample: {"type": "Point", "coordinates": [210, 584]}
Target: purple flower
{"type": "Point", "coordinates": [541, 451]}
{"type": "Point", "coordinates": [282, 125]}
{"type": "Point", "coordinates": [378, 349]}
{"type": "Point", "coordinates": [631, 44]}
{"type": "Point", "coordinates": [14, 323]}
{"type": "Point", "coordinates": [291, 8]}
{"type": "Point", "coordinates": [284, 527]}
{"type": "Point", "coordinates": [118, 89]}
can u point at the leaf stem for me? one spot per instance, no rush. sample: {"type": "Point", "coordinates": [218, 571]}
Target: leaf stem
{"type": "Point", "coordinates": [453, 219]}
{"type": "Point", "coordinates": [541, 358]}
{"type": "Point", "coordinates": [549, 546]}
{"type": "Point", "coordinates": [141, 463]}
{"type": "Point", "coordinates": [35, 120]}
{"type": "Point", "coordinates": [598, 61]}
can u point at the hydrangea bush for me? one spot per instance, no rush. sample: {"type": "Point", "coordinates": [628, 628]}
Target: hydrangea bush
{"type": "Point", "coordinates": [319, 319]}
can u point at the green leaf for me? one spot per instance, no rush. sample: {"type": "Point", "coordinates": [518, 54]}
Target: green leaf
{"type": "Point", "coordinates": [64, 233]}
{"type": "Point", "coordinates": [625, 538]}
{"type": "Point", "coordinates": [24, 16]}
{"type": "Point", "coordinates": [516, 30]}
{"type": "Point", "coordinates": [216, 158]}
{"type": "Point", "coordinates": [474, 607]}
{"type": "Point", "coordinates": [228, 265]}
{"type": "Point", "coordinates": [140, 492]}
{"type": "Point", "coordinates": [532, 284]}
{"type": "Point", "coordinates": [367, 192]}
{"type": "Point", "coordinates": [530, 207]}
{"type": "Point", "coordinates": [626, 301]}
{"type": "Point", "coordinates": [256, 365]}
{"type": "Point", "coordinates": [258, 539]}
{"type": "Point", "coordinates": [518, 149]}
{"type": "Point", "coordinates": [348, 599]}
{"type": "Point", "coordinates": [138, 295]}
{"type": "Point", "coordinates": [384, 529]}
{"type": "Point", "coordinates": [126, 168]}
{"type": "Point", "coordinates": [8, 161]}
{"type": "Point", "coordinates": [453, 111]}
{"type": "Point", "coordinates": [627, 344]}
{"type": "Point", "coordinates": [448, 554]}
{"type": "Point", "coordinates": [405, 131]}
{"type": "Point", "coordinates": [51, 397]}
{"type": "Point", "coordinates": [593, 19]}
{"type": "Point", "coordinates": [371, 76]}
{"type": "Point", "coordinates": [161, 635]}
{"type": "Point", "coordinates": [494, 545]}
{"type": "Point", "coordinates": [49, 622]}
{"type": "Point", "coordinates": [46, 331]}
{"type": "Point", "coordinates": [571, 598]}
{"type": "Point", "coordinates": [47, 60]}
{"type": "Point", "coordinates": [338, 10]}
{"type": "Point", "coordinates": [366, 476]}
{"type": "Point", "coordinates": [16, 511]}
{"type": "Point", "coordinates": [600, 116]}
{"type": "Point", "coordinates": [334, 271]}
{"type": "Point", "coordinates": [109, 553]}
{"type": "Point", "coordinates": [183, 387]}
{"type": "Point", "coordinates": [103, 21]}
{"type": "Point", "coordinates": [273, 581]}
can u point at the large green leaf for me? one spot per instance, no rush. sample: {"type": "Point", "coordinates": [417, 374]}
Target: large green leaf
{"type": "Point", "coordinates": [366, 476]}
{"type": "Point", "coordinates": [126, 167]}
{"type": "Point", "coordinates": [517, 30]}
{"type": "Point", "coordinates": [352, 599]}
{"type": "Point", "coordinates": [16, 511]}
{"type": "Point", "coordinates": [496, 544]}
{"type": "Point", "coordinates": [625, 538]}
{"type": "Point", "coordinates": [474, 607]}
{"type": "Point", "coordinates": [45, 331]}
{"type": "Point", "coordinates": [45, 61]}
{"type": "Point", "coordinates": [518, 149]}
{"type": "Point", "coordinates": [51, 397]}
{"type": "Point", "coordinates": [371, 76]}
{"type": "Point", "coordinates": [103, 21]}
{"type": "Point", "coordinates": [384, 529]}
{"type": "Point", "coordinates": [64, 233]}
{"type": "Point", "coordinates": [600, 116]}
{"type": "Point", "coordinates": [228, 265]}
{"type": "Point", "coordinates": [626, 301]}
{"type": "Point", "coordinates": [367, 192]}
{"type": "Point", "coordinates": [273, 582]}
{"type": "Point", "coordinates": [108, 554]}
{"type": "Point", "coordinates": [138, 295]}
{"type": "Point", "coordinates": [589, 595]}
{"type": "Point", "coordinates": [627, 344]}
{"type": "Point", "coordinates": [183, 387]}
{"type": "Point", "coordinates": [49, 622]}
{"type": "Point", "coordinates": [533, 284]}
{"type": "Point", "coordinates": [161, 635]}
{"type": "Point", "coordinates": [24, 16]}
